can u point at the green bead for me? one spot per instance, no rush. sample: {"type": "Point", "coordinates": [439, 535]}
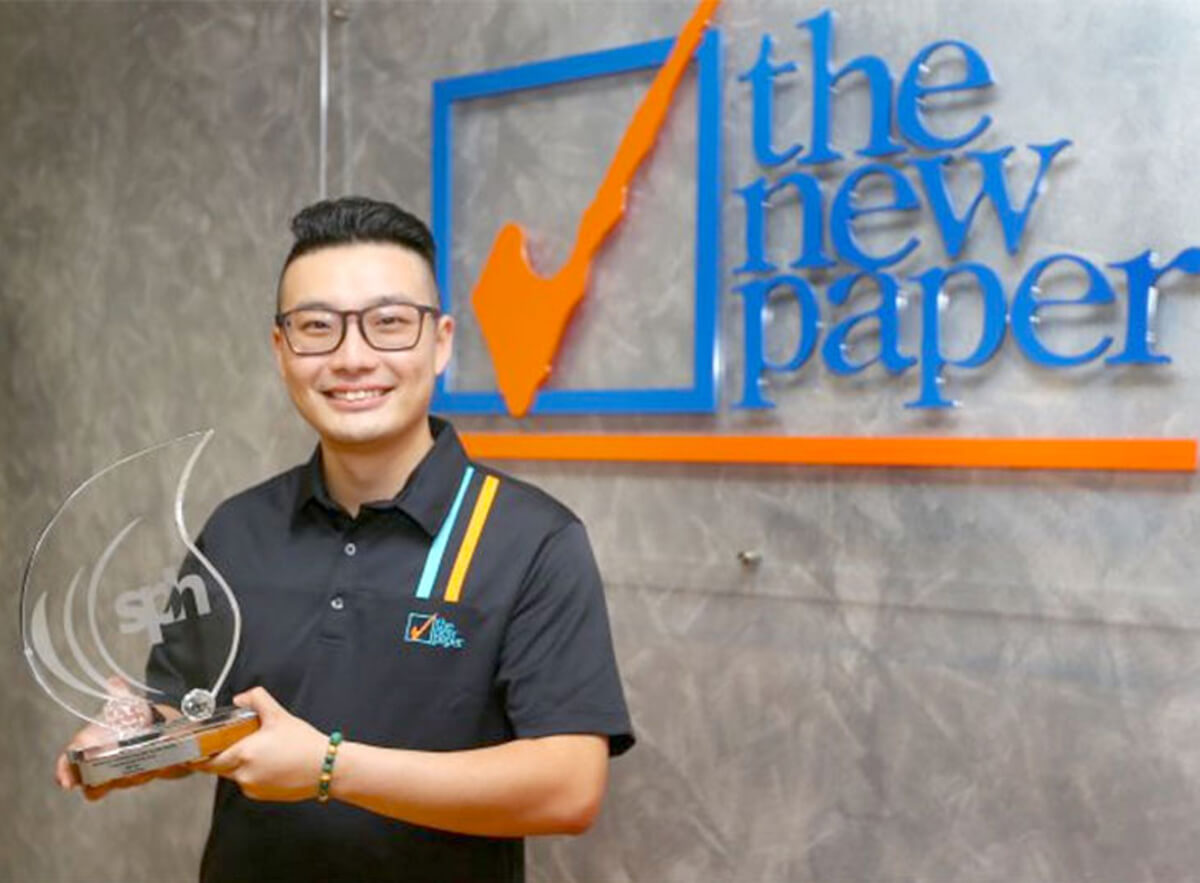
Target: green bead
{"type": "Point", "coordinates": [327, 766]}
{"type": "Point", "coordinates": [335, 738]}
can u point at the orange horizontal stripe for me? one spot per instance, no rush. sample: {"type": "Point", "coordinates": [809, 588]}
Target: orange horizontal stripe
{"type": "Point", "coordinates": [1118, 454]}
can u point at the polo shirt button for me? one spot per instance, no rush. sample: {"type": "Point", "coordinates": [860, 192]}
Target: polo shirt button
{"type": "Point", "coordinates": [351, 549]}
{"type": "Point", "coordinates": [337, 602]}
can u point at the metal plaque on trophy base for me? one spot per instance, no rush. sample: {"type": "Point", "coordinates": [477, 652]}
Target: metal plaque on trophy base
{"type": "Point", "coordinates": [119, 606]}
{"type": "Point", "coordinates": [171, 744]}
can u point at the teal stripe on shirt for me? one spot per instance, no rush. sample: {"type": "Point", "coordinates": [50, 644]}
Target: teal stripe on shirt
{"type": "Point", "coordinates": [433, 561]}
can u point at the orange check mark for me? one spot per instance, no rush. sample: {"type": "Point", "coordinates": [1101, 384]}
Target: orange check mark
{"type": "Point", "coordinates": [414, 633]}
{"type": "Point", "coordinates": [523, 336]}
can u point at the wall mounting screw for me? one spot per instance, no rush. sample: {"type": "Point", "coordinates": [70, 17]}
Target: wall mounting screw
{"type": "Point", "coordinates": [749, 558]}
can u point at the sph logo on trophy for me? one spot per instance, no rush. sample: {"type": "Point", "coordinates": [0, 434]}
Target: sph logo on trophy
{"type": "Point", "coordinates": [151, 607]}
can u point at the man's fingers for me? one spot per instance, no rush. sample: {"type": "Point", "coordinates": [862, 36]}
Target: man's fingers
{"type": "Point", "coordinates": [64, 774]}
{"type": "Point", "coordinates": [223, 764]}
{"type": "Point", "coordinates": [92, 734]}
{"type": "Point", "coordinates": [82, 739]}
{"type": "Point", "coordinates": [95, 792]}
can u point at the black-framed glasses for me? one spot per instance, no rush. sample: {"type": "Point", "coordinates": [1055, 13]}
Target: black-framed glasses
{"type": "Point", "coordinates": [318, 331]}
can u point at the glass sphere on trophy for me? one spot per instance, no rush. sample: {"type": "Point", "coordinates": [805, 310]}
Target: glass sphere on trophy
{"type": "Point", "coordinates": [126, 624]}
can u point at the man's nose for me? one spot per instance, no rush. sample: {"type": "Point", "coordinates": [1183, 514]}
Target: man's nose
{"type": "Point", "coordinates": [354, 351]}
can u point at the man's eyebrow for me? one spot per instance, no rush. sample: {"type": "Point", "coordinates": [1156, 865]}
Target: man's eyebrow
{"type": "Point", "coordinates": [314, 305]}
{"type": "Point", "coordinates": [381, 300]}
{"type": "Point", "coordinates": [397, 298]}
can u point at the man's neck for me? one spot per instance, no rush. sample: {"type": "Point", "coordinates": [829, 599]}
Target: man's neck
{"type": "Point", "coordinates": [358, 474]}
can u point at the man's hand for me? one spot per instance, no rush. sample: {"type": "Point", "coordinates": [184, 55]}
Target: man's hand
{"type": "Point", "coordinates": [280, 762]}
{"type": "Point", "coordinates": [548, 785]}
{"type": "Point", "coordinates": [64, 773]}
{"type": "Point", "coordinates": [94, 734]}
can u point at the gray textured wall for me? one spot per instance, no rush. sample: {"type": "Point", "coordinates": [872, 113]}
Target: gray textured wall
{"type": "Point", "coordinates": [931, 676]}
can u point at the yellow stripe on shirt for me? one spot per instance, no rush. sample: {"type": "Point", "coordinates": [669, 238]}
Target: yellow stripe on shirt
{"type": "Point", "coordinates": [462, 563]}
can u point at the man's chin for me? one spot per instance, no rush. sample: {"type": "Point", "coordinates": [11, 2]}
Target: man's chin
{"type": "Point", "coordinates": [364, 430]}
{"type": "Point", "coordinates": [364, 434]}
{"type": "Point", "coordinates": [357, 436]}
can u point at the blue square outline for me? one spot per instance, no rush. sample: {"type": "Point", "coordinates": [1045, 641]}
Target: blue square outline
{"type": "Point", "coordinates": [427, 637]}
{"type": "Point", "coordinates": [701, 396]}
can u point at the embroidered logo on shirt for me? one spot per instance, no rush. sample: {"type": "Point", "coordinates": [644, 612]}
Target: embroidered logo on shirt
{"type": "Point", "coordinates": [433, 630]}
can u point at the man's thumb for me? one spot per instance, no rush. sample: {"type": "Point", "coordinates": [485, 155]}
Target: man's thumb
{"type": "Point", "coordinates": [260, 701]}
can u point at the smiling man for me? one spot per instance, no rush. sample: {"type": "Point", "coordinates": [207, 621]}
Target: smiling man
{"type": "Point", "coordinates": [424, 639]}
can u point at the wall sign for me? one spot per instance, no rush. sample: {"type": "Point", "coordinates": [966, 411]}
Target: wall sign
{"type": "Point", "coordinates": [523, 311]}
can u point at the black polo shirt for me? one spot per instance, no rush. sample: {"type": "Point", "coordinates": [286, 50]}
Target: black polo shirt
{"type": "Point", "coordinates": [465, 612]}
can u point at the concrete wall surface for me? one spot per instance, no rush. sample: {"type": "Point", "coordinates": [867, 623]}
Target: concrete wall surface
{"type": "Point", "coordinates": [935, 675]}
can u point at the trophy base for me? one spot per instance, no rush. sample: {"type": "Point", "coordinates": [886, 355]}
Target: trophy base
{"type": "Point", "coordinates": [169, 744]}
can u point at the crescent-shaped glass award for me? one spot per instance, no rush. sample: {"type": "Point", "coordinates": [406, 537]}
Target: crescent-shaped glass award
{"type": "Point", "coordinates": [126, 623]}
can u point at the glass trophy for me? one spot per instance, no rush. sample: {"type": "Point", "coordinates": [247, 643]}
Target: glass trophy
{"type": "Point", "coordinates": [126, 624]}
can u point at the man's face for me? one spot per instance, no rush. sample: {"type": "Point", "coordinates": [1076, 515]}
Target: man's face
{"type": "Point", "coordinates": [357, 395]}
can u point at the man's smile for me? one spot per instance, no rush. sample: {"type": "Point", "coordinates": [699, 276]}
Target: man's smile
{"type": "Point", "coordinates": [360, 395]}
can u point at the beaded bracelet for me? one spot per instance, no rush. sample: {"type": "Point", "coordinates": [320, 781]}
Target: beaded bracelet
{"type": "Point", "coordinates": [335, 739]}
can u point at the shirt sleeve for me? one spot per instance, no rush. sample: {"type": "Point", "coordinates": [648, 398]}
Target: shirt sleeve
{"type": "Point", "coordinates": [557, 665]}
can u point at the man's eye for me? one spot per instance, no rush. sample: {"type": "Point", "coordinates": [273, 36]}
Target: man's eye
{"type": "Point", "coordinates": [393, 320]}
{"type": "Point", "coordinates": [315, 326]}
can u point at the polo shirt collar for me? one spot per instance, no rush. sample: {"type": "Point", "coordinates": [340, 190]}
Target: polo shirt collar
{"type": "Point", "coordinates": [426, 497]}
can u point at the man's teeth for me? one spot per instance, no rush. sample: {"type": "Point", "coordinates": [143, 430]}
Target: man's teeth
{"type": "Point", "coordinates": [355, 395]}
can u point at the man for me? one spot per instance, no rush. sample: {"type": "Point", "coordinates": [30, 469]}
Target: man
{"type": "Point", "coordinates": [447, 619]}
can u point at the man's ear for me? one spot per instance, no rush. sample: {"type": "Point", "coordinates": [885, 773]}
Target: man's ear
{"type": "Point", "coordinates": [444, 342]}
{"type": "Point", "coordinates": [279, 347]}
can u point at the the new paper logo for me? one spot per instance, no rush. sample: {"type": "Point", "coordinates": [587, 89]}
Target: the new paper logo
{"type": "Point", "coordinates": [432, 630]}
{"type": "Point", "coordinates": [523, 311]}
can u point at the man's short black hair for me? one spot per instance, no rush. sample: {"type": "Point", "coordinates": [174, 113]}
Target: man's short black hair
{"type": "Point", "coordinates": [351, 219]}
